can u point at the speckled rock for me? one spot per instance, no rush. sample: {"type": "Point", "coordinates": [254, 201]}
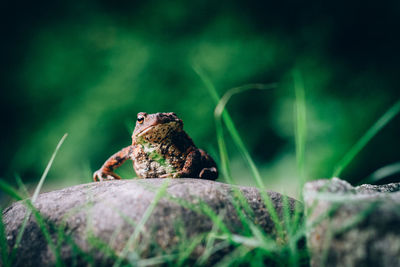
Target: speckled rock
{"type": "Point", "coordinates": [108, 212]}
{"type": "Point", "coordinates": [353, 226]}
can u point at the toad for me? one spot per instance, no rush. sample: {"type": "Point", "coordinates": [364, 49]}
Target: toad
{"type": "Point", "coordinates": [160, 148]}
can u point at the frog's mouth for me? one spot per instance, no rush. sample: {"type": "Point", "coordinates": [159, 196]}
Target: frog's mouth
{"type": "Point", "coordinates": [148, 129]}
{"type": "Point", "coordinates": [160, 129]}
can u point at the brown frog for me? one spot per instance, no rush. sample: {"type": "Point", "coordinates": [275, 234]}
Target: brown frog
{"type": "Point", "coordinates": [160, 148]}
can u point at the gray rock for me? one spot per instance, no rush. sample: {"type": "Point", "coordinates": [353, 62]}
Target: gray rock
{"type": "Point", "coordinates": [352, 226]}
{"type": "Point", "coordinates": [95, 214]}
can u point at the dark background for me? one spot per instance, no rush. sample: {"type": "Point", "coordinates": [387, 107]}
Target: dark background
{"type": "Point", "coordinates": [87, 68]}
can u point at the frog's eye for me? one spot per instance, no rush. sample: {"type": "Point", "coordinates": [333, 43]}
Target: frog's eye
{"type": "Point", "coordinates": [140, 120]}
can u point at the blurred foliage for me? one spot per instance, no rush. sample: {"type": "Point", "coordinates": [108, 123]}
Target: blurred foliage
{"type": "Point", "coordinates": [87, 68]}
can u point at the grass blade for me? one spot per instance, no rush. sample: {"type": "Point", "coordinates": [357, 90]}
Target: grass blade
{"type": "Point", "coordinates": [293, 258]}
{"type": "Point", "coordinates": [44, 175]}
{"type": "Point", "coordinates": [221, 112]}
{"type": "Point", "coordinates": [223, 153]}
{"type": "Point", "coordinates": [231, 92]}
{"type": "Point", "coordinates": [185, 253]}
{"type": "Point", "coordinates": [209, 245]}
{"type": "Point", "coordinates": [21, 186]}
{"type": "Point", "coordinates": [232, 258]}
{"type": "Point", "coordinates": [24, 223]}
{"type": "Point", "coordinates": [241, 206]}
{"type": "Point", "coordinates": [382, 173]}
{"type": "Point", "coordinates": [39, 219]}
{"type": "Point", "coordinates": [35, 195]}
{"type": "Point", "coordinates": [300, 125]}
{"type": "Point", "coordinates": [378, 125]}
{"type": "Point", "coordinates": [3, 242]}
{"type": "Point", "coordinates": [229, 122]}
{"type": "Point", "coordinates": [9, 190]}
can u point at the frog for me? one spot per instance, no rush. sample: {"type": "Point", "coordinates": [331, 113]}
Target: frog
{"type": "Point", "coordinates": [160, 149]}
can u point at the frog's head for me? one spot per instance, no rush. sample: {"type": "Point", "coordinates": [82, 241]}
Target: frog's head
{"type": "Point", "coordinates": [156, 127]}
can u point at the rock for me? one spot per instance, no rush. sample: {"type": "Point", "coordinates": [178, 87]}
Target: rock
{"type": "Point", "coordinates": [352, 226]}
{"type": "Point", "coordinates": [95, 214]}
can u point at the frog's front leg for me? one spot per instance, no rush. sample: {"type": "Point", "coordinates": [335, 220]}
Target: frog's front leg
{"type": "Point", "coordinates": [106, 172]}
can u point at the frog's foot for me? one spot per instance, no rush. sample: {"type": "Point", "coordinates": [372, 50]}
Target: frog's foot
{"type": "Point", "coordinates": [209, 173]}
{"type": "Point", "coordinates": [100, 175]}
{"type": "Point", "coordinates": [170, 175]}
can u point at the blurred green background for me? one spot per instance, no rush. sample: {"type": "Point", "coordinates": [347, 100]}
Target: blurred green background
{"type": "Point", "coordinates": [87, 67]}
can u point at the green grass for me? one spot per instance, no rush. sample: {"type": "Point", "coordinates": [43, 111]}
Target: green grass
{"type": "Point", "coordinates": [382, 173]}
{"type": "Point", "coordinates": [221, 114]}
{"type": "Point", "coordinates": [39, 219]}
{"type": "Point", "coordinates": [300, 125]}
{"type": "Point", "coordinates": [3, 242]}
{"type": "Point", "coordinates": [250, 245]}
{"type": "Point", "coordinates": [34, 197]}
{"type": "Point", "coordinates": [29, 203]}
{"type": "Point", "coordinates": [363, 141]}
{"type": "Point", "coordinates": [220, 111]}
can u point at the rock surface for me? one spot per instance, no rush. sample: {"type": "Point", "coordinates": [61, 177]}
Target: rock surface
{"type": "Point", "coordinates": [107, 213]}
{"type": "Point", "coordinates": [353, 226]}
